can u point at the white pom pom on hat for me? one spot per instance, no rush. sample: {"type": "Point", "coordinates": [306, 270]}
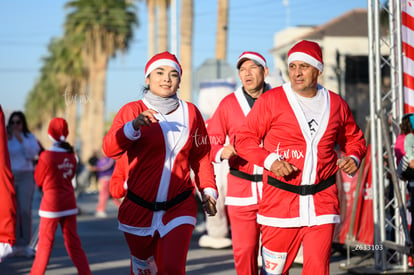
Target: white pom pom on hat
{"type": "Point", "coordinates": [58, 129]}
{"type": "Point", "coordinates": [163, 59]}
{"type": "Point", "coordinates": [251, 56]}
{"type": "Point", "coordinates": [307, 51]}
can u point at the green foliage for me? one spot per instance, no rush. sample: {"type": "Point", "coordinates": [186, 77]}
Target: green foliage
{"type": "Point", "coordinates": [91, 27]}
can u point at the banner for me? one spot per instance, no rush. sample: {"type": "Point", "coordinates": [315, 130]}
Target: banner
{"type": "Point", "coordinates": [407, 32]}
{"type": "Point", "coordinates": [363, 231]}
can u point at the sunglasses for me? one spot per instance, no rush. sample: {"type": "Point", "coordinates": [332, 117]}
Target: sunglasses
{"type": "Point", "coordinates": [16, 122]}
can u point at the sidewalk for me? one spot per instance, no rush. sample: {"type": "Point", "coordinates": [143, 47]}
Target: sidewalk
{"type": "Point", "coordinates": [108, 252]}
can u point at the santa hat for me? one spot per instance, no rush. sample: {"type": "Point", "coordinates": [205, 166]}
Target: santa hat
{"type": "Point", "coordinates": [251, 56]}
{"type": "Point", "coordinates": [58, 129]}
{"type": "Point", "coordinates": [163, 59]}
{"type": "Point", "coordinates": [307, 51]}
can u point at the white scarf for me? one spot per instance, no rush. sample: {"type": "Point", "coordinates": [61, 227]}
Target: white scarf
{"type": "Point", "coordinates": [164, 105]}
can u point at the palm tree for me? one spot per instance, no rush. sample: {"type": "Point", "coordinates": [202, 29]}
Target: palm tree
{"type": "Point", "coordinates": [56, 92]}
{"type": "Point", "coordinates": [73, 78]}
{"type": "Point", "coordinates": [162, 16]}
{"type": "Point", "coordinates": [157, 24]}
{"type": "Point", "coordinates": [186, 49]}
{"type": "Point", "coordinates": [151, 27]}
{"type": "Point", "coordinates": [106, 27]}
{"type": "Point", "coordinates": [222, 27]}
{"type": "Point", "coordinates": [44, 100]}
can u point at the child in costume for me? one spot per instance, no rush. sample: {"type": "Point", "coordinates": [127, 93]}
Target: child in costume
{"type": "Point", "coordinates": [404, 153]}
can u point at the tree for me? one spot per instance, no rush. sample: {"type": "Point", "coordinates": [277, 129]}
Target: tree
{"type": "Point", "coordinates": [45, 99]}
{"type": "Point", "coordinates": [162, 16]}
{"type": "Point", "coordinates": [60, 73]}
{"type": "Point", "coordinates": [222, 27]}
{"type": "Point", "coordinates": [151, 27]}
{"type": "Point", "coordinates": [157, 24]}
{"type": "Point", "coordinates": [186, 50]}
{"type": "Point", "coordinates": [106, 27]}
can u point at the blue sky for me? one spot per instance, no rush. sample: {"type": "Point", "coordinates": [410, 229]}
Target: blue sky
{"type": "Point", "coordinates": [28, 26]}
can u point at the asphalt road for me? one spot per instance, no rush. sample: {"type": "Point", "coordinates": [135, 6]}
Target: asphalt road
{"type": "Point", "coordinates": [108, 252]}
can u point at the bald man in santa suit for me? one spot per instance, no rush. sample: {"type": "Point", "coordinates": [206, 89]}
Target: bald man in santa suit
{"type": "Point", "coordinates": [292, 131]}
{"type": "Point", "coordinates": [244, 185]}
{"type": "Point", "coordinates": [7, 195]}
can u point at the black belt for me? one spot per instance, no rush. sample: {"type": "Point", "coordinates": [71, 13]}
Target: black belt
{"type": "Point", "coordinates": [158, 206]}
{"type": "Point", "coordinates": [245, 176]}
{"type": "Point", "coordinates": [302, 189]}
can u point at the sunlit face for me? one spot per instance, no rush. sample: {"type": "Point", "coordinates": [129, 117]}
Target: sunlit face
{"type": "Point", "coordinates": [16, 123]}
{"type": "Point", "coordinates": [164, 81]}
{"type": "Point", "coordinates": [252, 76]}
{"type": "Point", "coordinates": [303, 78]}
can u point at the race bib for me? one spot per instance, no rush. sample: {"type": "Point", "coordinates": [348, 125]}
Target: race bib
{"type": "Point", "coordinates": [143, 267]}
{"type": "Point", "coordinates": [273, 262]}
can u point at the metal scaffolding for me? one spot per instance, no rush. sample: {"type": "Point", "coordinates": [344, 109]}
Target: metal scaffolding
{"type": "Point", "coordinates": [391, 238]}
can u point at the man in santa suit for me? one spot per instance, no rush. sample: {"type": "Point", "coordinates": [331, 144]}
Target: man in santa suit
{"type": "Point", "coordinates": [162, 137]}
{"type": "Point", "coordinates": [292, 132]}
{"type": "Point", "coordinates": [244, 185]}
{"type": "Point", "coordinates": [7, 195]}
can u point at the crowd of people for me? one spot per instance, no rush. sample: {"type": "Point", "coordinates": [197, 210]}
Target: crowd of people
{"type": "Point", "coordinates": [279, 149]}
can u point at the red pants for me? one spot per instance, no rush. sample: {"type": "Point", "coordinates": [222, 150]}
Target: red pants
{"type": "Point", "coordinates": [245, 235]}
{"type": "Point", "coordinates": [280, 246]}
{"type": "Point", "coordinates": [169, 252]}
{"type": "Point", "coordinates": [47, 230]}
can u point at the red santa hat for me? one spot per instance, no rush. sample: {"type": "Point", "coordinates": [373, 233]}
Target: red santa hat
{"type": "Point", "coordinates": [307, 51]}
{"type": "Point", "coordinates": [251, 56]}
{"type": "Point", "coordinates": [58, 129]}
{"type": "Point", "coordinates": [163, 59]}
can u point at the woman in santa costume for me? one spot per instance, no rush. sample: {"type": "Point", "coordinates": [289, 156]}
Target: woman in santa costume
{"type": "Point", "coordinates": [163, 137]}
{"type": "Point", "coordinates": [292, 131]}
{"type": "Point", "coordinates": [7, 195]}
{"type": "Point", "coordinates": [53, 175]}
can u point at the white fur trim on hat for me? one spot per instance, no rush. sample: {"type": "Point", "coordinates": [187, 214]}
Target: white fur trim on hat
{"type": "Point", "coordinates": [300, 56]}
{"type": "Point", "coordinates": [163, 62]}
{"type": "Point", "coordinates": [251, 56]}
{"type": "Point", "coordinates": [62, 138]}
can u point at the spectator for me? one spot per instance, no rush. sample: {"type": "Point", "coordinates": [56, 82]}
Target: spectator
{"type": "Point", "coordinates": [104, 168]}
{"type": "Point", "coordinates": [23, 148]}
{"type": "Point", "coordinates": [93, 174]}
{"type": "Point", "coordinates": [404, 153]}
{"type": "Point", "coordinates": [216, 228]}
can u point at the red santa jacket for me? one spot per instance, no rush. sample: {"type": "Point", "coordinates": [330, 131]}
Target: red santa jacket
{"type": "Point", "coordinates": [225, 122]}
{"type": "Point", "coordinates": [278, 121]}
{"type": "Point", "coordinates": [53, 174]}
{"type": "Point", "coordinates": [7, 192]}
{"type": "Point", "coordinates": [117, 184]}
{"type": "Point", "coordinates": [159, 163]}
